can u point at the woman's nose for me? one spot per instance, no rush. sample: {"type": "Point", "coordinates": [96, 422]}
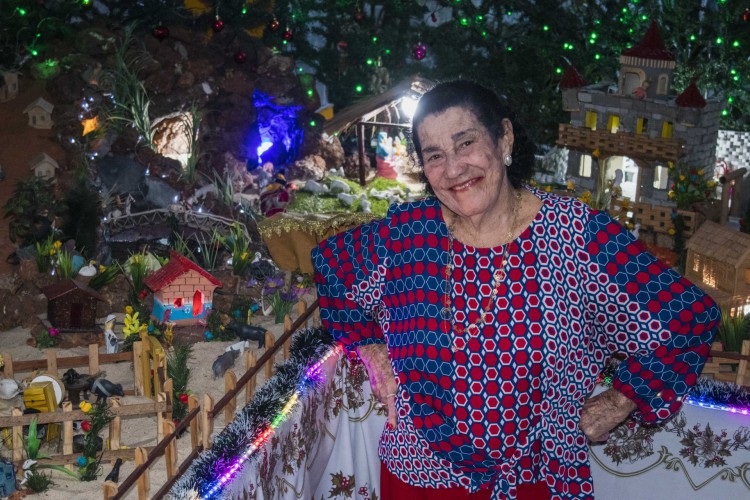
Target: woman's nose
{"type": "Point", "coordinates": [453, 165]}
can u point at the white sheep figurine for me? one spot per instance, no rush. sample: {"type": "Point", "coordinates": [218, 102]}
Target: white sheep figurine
{"type": "Point", "coordinates": [315, 187]}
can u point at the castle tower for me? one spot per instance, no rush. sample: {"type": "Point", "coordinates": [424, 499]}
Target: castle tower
{"type": "Point", "coordinates": [646, 69]}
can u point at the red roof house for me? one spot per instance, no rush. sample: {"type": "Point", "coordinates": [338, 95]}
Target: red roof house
{"type": "Point", "coordinates": [183, 291]}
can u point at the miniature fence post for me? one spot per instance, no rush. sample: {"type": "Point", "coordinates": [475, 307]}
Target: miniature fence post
{"type": "Point", "coordinates": [17, 437]}
{"type": "Point", "coordinates": [250, 386]}
{"type": "Point", "coordinates": [168, 390]}
{"type": "Point", "coordinates": [160, 418]}
{"type": "Point", "coordinates": [138, 368]}
{"type": "Point", "coordinates": [8, 368]}
{"type": "Point", "coordinates": [742, 374]}
{"type": "Point", "coordinates": [146, 366]}
{"type": "Point", "coordinates": [270, 340]}
{"type": "Point", "coordinates": [93, 359]}
{"type": "Point", "coordinates": [67, 406]}
{"type": "Point", "coordinates": [301, 308]}
{"type": "Point", "coordinates": [170, 452]}
{"type": "Point", "coordinates": [230, 383]}
{"type": "Point", "coordinates": [207, 423]}
{"type": "Point", "coordinates": [194, 430]}
{"type": "Point", "coordinates": [288, 342]}
{"type": "Point", "coordinates": [115, 426]}
{"type": "Point", "coordinates": [143, 482]}
{"type": "Point", "coordinates": [52, 362]}
{"type": "Point", "coordinates": [110, 489]}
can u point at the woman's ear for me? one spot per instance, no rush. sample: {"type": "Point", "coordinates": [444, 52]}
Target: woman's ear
{"type": "Point", "coordinates": [507, 138]}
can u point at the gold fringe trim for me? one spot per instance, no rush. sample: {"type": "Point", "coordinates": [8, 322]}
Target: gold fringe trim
{"type": "Point", "coordinates": [314, 224]}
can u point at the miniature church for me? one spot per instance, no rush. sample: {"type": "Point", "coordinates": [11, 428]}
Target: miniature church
{"type": "Point", "coordinates": [638, 123]}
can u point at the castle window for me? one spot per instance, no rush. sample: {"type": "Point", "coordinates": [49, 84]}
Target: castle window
{"type": "Point", "coordinates": [641, 126]}
{"type": "Point", "coordinates": [613, 123]}
{"type": "Point", "coordinates": [662, 87]}
{"type": "Point", "coordinates": [666, 130]}
{"type": "Point", "coordinates": [179, 302]}
{"type": "Point", "coordinates": [584, 170]}
{"type": "Point", "coordinates": [661, 177]}
{"type": "Point", "coordinates": [591, 120]}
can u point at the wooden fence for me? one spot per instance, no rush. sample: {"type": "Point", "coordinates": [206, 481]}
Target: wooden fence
{"type": "Point", "coordinates": [200, 418]}
{"type": "Point", "coordinates": [654, 218]}
{"type": "Point", "coordinates": [159, 389]}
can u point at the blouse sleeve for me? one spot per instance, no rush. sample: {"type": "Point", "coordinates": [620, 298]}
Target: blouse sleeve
{"type": "Point", "coordinates": [661, 321]}
{"type": "Point", "coordinates": [349, 275]}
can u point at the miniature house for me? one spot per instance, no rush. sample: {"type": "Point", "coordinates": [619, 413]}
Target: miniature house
{"type": "Point", "coordinates": [639, 125]}
{"type": "Point", "coordinates": [44, 166]}
{"type": "Point", "coordinates": [40, 113]}
{"type": "Point", "coordinates": [8, 85]}
{"type": "Point", "coordinates": [71, 305]}
{"type": "Point", "coordinates": [183, 291]}
{"type": "Point", "coordinates": [718, 260]}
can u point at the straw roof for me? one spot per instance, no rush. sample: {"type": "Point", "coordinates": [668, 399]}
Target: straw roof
{"type": "Point", "coordinates": [721, 243]}
{"type": "Point", "coordinates": [371, 106]}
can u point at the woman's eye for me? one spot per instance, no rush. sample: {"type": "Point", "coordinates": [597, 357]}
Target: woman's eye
{"type": "Point", "coordinates": [434, 157]}
{"type": "Point", "coordinates": [466, 144]}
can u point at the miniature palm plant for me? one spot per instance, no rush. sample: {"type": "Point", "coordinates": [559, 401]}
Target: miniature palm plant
{"type": "Point", "coordinates": [192, 127]}
{"type": "Point", "coordinates": [98, 418]}
{"type": "Point", "coordinates": [31, 446]}
{"type": "Point", "coordinates": [45, 252]}
{"type": "Point", "coordinates": [64, 265]}
{"type": "Point", "coordinates": [179, 371]}
{"type": "Point", "coordinates": [733, 330]}
{"type": "Point", "coordinates": [238, 243]}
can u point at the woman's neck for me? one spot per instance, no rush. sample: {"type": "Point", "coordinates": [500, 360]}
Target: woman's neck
{"type": "Point", "coordinates": [491, 228]}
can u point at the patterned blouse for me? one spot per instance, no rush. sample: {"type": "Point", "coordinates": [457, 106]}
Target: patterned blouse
{"type": "Point", "coordinates": [497, 405]}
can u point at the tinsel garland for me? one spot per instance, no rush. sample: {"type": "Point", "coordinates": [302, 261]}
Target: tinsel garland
{"type": "Point", "coordinates": [308, 347]}
{"type": "Point", "coordinates": [706, 392]}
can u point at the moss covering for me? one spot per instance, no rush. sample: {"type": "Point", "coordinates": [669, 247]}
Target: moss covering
{"type": "Point", "coordinates": [306, 202]}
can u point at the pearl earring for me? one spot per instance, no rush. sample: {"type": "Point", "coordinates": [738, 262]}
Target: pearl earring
{"type": "Point", "coordinates": [508, 160]}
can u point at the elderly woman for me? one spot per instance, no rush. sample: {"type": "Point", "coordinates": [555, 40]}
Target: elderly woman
{"type": "Point", "coordinates": [484, 314]}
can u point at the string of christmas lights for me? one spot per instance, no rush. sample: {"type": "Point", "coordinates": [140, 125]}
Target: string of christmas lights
{"type": "Point", "coordinates": [312, 378]}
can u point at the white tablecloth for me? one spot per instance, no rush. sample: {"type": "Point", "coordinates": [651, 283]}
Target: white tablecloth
{"type": "Point", "coordinates": [327, 448]}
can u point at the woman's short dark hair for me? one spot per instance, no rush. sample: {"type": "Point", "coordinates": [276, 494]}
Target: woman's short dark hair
{"type": "Point", "coordinates": [489, 110]}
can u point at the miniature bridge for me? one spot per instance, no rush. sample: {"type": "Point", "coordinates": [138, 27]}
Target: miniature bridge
{"type": "Point", "coordinates": [159, 217]}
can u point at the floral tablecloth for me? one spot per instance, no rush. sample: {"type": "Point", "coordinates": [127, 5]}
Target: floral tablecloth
{"type": "Point", "coordinates": [327, 448]}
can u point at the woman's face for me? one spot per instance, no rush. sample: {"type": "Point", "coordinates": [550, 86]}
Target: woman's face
{"type": "Point", "coordinates": [461, 162]}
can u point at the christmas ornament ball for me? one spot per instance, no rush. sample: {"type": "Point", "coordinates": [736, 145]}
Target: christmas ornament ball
{"type": "Point", "coordinates": [160, 32]}
{"type": "Point", "coordinates": [287, 35]}
{"type": "Point", "coordinates": [419, 51]}
{"type": "Point", "coordinates": [240, 57]}
{"type": "Point", "coordinates": [274, 25]}
{"type": "Point", "coordinates": [359, 16]}
{"type": "Point", "coordinates": [218, 25]}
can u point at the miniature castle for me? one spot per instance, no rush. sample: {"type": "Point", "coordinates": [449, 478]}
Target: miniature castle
{"type": "Point", "coordinates": [638, 119]}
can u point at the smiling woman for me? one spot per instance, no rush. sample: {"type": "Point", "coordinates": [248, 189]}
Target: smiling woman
{"type": "Point", "coordinates": [485, 313]}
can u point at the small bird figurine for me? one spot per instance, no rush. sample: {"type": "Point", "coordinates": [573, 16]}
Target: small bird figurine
{"type": "Point", "coordinates": [114, 474]}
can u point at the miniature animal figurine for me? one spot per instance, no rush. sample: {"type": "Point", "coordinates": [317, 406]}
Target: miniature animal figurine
{"type": "Point", "coordinates": [104, 389]}
{"type": "Point", "coordinates": [114, 475]}
{"type": "Point", "coordinates": [248, 332]}
{"type": "Point", "coordinates": [9, 388]}
{"type": "Point", "coordinates": [224, 362]}
{"type": "Point", "coordinates": [337, 185]}
{"type": "Point", "coordinates": [315, 187]}
{"type": "Point", "coordinates": [110, 339]}
{"type": "Point", "coordinates": [365, 204]}
{"type": "Point", "coordinates": [346, 198]}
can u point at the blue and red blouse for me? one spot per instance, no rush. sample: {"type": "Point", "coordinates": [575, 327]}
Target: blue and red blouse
{"type": "Point", "coordinates": [504, 407]}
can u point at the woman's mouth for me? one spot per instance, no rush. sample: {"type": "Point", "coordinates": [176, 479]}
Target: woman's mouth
{"type": "Point", "coordinates": [466, 185]}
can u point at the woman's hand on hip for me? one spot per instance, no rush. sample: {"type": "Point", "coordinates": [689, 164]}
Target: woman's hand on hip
{"type": "Point", "coordinates": [603, 412]}
{"type": "Point", "coordinates": [383, 382]}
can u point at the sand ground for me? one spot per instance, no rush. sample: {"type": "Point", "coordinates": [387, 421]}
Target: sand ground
{"type": "Point", "coordinates": [136, 431]}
